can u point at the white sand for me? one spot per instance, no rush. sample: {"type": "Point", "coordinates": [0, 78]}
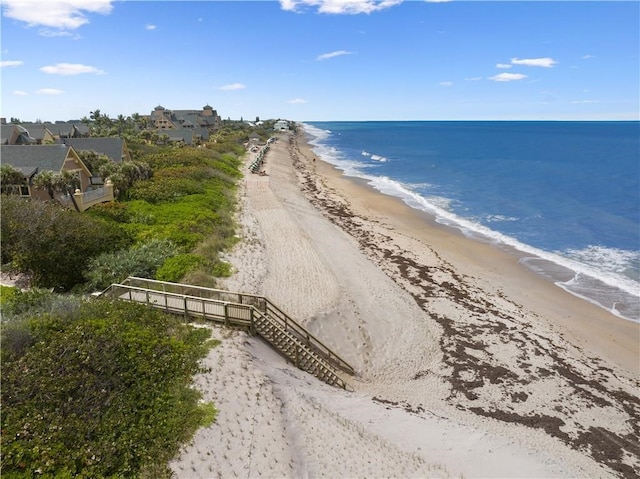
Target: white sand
{"type": "Point", "coordinates": [462, 356]}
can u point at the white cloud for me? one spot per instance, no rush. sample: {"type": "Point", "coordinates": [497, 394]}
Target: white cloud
{"type": "Point", "coordinates": [576, 102]}
{"type": "Point", "coordinates": [19, 93]}
{"type": "Point", "coordinates": [473, 79]}
{"type": "Point", "coordinates": [57, 33]}
{"type": "Point", "coordinates": [61, 14]}
{"type": "Point", "coordinates": [587, 56]}
{"type": "Point", "coordinates": [351, 7]}
{"type": "Point", "coordinates": [326, 56]}
{"type": "Point", "coordinates": [11, 63]}
{"type": "Point", "coordinates": [148, 26]}
{"type": "Point", "coordinates": [503, 65]}
{"type": "Point", "coordinates": [49, 91]}
{"type": "Point", "coordinates": [233, 86]}
{"type": "Point", "coordinates": [545, 62]}
{"type": "Point", "coordinates": [446, 83]}
{"type": "Point", "coordinates": [502, 77]}
{"type": "Point", "coordinates": [297, 101]}
{"type": "Point", "coordinates": [70, 69]}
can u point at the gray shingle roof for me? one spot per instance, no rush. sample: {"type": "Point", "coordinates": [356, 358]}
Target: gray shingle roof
{"type": "Point", "coordinates": [23, 135]}
{"type": "Point", "coordinates": [36, 130]}
{"type": "Point", "coordinates": [182, 134]}
{"type": "Point", "coordinates": [66, 128]}
{"type": "Point", "coordinates": [112, 147]}
{"type": "Point", "coordinates": [40, 157]}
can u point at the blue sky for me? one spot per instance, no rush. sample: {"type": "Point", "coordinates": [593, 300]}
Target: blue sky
{"type": "Point", "coordinates": [309, 60]}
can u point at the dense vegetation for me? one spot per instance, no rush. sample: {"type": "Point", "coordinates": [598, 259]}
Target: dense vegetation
{"type": "Point", "coordinates": [174, 205]}
{"type": "Point", "coordinates": [95, 388]}
{"type": "Point", "coordinates": [54, 243]}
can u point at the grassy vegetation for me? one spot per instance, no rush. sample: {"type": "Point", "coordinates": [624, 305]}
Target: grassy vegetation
{"type": "Point", "coordinates": [93, 388]}
{"type": "Point", "coordinates": [190, 202]}
{"type": "Point", "coordinates": [184, 197]}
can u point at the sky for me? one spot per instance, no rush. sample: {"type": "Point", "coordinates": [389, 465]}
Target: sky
{"type": "Point", "coordinates": [322, 60]}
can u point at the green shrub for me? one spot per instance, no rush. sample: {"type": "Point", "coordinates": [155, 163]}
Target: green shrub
{"type": "Point", "coordinates": [142, 260]}
{"type": "Point", "coordinates": [113, 211]}
{"type": "Point", "coordinates": [7, 294]}
{"type": "Point", "coordinates": [160, 189]}
{"type": "Point", "coordinates": [221, 269]}
{"type": "Point", "coordinates": [107, 394]}
{"type": "Point", "coordinates": [52, 242]}
{"type": "Point", "coordinates": [176, 267]}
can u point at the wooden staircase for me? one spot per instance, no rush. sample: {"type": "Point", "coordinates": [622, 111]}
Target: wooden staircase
{"type": "Point", "coordinates": [255, 313]}
{"type": "Point", "coordinates": [296, 351]}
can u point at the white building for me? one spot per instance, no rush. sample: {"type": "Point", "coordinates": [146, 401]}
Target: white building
{"type": "Point", "coordinates": [281, 125]}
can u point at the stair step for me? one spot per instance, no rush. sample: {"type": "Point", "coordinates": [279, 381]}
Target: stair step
{"type": "Point", "coordinates": [282, 332]}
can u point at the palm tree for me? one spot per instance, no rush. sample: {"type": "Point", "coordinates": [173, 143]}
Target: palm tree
{"type": "Point", "coordinates": [10, 176]}
{"type": "Point", "coordinates": [121, 121]}
{"type": "Point", "coordinates": [68, 181]}
{"type": "Point", "coordinates": [48, 181]}
{"type": "Point", "coordinates": [11, 179]}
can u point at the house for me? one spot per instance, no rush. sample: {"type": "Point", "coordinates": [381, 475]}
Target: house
{"type": "Point", "coordinates": [164, 119]}
{"type": "Point", "coordinates": [161, 119]}
{"type": "Point", "coordinates": [39, 132]}
{"type": "Point", "coordinates": [281, 125]}
{"type": "Point", "coordinates": [184, 136]}
{"type": "Point", "coordinates": [68, 129]}
{"type": "Point", "coordinates": [15, 135]}
{"type": "Point", "coordinates": [31, 160]}
{"type": "Point", "coordinates": [113, 148]}
{"type": "Point", "coordinates": [254, 139]}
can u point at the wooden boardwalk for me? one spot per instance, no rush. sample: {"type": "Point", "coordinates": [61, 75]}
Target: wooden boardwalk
{"type": "Point", "coordinates": [255, 313]}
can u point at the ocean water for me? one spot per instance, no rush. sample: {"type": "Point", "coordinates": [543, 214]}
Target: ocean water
{"type": "Point", "coordinates": [564, 195]}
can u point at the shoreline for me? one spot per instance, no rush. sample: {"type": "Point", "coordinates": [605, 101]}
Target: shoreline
{"type": "Point", "coordinates": [616, 295]}
{"type": "Point", "coordinates": [597, 328]}
{"type": "Point", "coordinates": [467, 365]}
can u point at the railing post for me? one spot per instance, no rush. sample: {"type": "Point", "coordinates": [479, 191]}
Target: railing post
{"type": "Point", "coordinates": [297, 356]}
{"type": "Point", "coordinates": [252, 325]}
{"type": "Point", "coordinates": [186, 310]}
{"type": "Point", "coordinates": [226, 314]}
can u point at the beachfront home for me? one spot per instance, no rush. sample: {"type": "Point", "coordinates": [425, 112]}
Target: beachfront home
{"type": "Point", "coordinates": [254, 139]}
{"type": "Point", "coordinates": [181, 136]}
{"type": "Point", "coordinates": [68, 129]}
{"type": "Point", "coordinates": [15, 135]}
{"type": "Point", "coordinates": [31, 160]}
{"type": "Point", "coordinates": [39, 132]}
{"type": "Point", "coordinates": [281, 125]}
{"type": "Point", "coordinates": [112, 147]}
{"type": "Point", "coordinates": [164, 119]}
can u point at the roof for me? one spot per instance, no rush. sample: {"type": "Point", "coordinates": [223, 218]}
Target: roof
{"type": "Point", "coordinates": [36, 130]}
{"type": "Point", "coordinates": [182, 134]}
{"type": "Point", "coordinates": [65, 128]}
{"type": "Point", "coordinates": [40, 157]}
{"type": "Point", "coordinates": [8, 130]}
{"type": "Point", "coordinates": [112, 147]}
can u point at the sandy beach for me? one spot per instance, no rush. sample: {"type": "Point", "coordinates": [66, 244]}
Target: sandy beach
{"type": "Point", "coordinates": [468, 365]}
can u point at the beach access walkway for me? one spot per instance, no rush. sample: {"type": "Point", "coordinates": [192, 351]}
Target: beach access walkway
{"type": "Point", "coordinates": [254, 313]}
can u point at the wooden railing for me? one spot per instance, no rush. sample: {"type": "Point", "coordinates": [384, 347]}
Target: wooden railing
{"type": "Point", "coordinates": [261, 303]}
{"type": "Point", "coordinates": [252, 312]}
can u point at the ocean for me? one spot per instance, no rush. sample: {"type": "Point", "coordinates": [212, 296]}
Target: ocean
{"type": "Point", "coordinates": [564, 195]}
